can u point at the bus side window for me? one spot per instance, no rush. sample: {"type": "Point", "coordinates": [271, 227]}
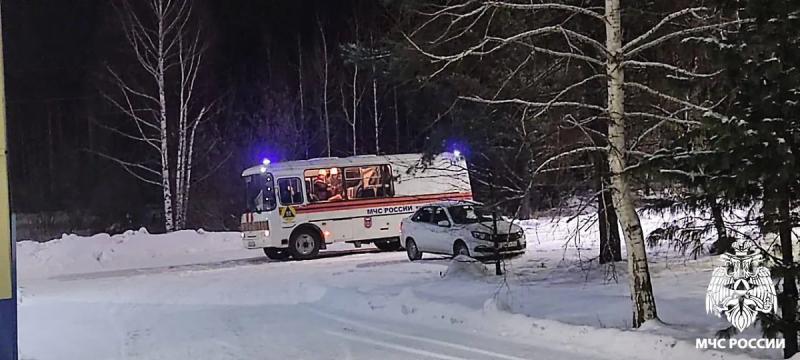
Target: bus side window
{"type": "Point", "coordinates": [387, 185]}
{"type": "Point", "coordinates": [324, 185]}
{"type": "Point", "coordinates": [290, 191]}
{"type": "Point", "coordinates": [368, 182]}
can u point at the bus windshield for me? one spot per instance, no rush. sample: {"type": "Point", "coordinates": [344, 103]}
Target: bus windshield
{"type": "Point", "coordinates": [260, 192]}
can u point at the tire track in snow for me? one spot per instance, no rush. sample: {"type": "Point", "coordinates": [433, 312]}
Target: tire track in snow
{"type": "Point", "coordinates": [393, 346]}
{"type": "Point", "coordinates": [417, 338]}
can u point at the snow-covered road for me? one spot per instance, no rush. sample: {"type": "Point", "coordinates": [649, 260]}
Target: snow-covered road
{"type": "Point", "coordinates": [199, 295]}
{"type": "Point", "coordinates": [331, 308]}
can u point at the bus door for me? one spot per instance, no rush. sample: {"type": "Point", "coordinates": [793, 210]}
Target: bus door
{"type": "Point", "coordinates": [290, 196]}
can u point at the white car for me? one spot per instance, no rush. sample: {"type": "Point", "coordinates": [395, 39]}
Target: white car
{"type": "Point", "coordinates": [458, 228]}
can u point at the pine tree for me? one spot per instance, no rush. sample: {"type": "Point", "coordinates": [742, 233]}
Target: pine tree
{"type": "Point", "coordinates": [757, 140]}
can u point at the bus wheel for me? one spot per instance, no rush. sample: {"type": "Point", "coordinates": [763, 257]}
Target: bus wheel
{"type": "Point", "coordinates": [304, 245]}
{"type": "Point", "coordinates": [388, 245]}
{"type": "Point", "coordinates": [412, 251]}
{"type": "Point", "coordinates": [276, 253]}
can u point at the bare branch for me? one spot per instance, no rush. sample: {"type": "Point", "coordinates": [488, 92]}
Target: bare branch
{"type": "Point", "coordinates": [548, 6]}
{"type": "Point", "coordinates": [665, 96]}
{"type": "Point", "coordinates": [580, 150]}
{"type": "Point", "coordinates": [652, 64]}
{"type": "Point", "coordinates": [568, 55]}
{"type": "Point", "coordinates": [631, 53]}
{"type": "Point", "coordinates": [150, 141]}
{"type": "Point", "coordinates": [660, 24]}
{"type": "Point", "coordinates": [124, 86]}
{"type": "Point", "coordinates": [479, 12]}
{"type": "Point", "coordinates": [663, 118]}
{"type": "Point", "coordinates": [566, 90]}
{"type": "Point", "coordinates": [129, 166]}
{"type": "Point", "coordinates": [500, 43]}
{"type": "Point", "coordinates": [533, 104]}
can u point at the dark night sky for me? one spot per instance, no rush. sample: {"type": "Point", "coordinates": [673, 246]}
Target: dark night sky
{"type": "Point", "coordinates": [55, 57]}
{"type": "Point", "coordinates": [53, 48]}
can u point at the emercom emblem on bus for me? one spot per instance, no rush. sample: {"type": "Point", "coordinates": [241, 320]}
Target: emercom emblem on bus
{"type": "Point", "coordinates": [287, 213]}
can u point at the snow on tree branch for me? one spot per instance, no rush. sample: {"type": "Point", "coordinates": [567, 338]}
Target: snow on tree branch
{"type": "Point", "coordinates": [666, 20]}
{"type": "Point", "coordinates": [665, 96]}
{"type": "Point", "coordinates": [533, 103]}
{"type": "Point", "coordinates": [673, 68]}
{"type": "Point", "coordinates": [681, 33]}
{"type": "Point", "coordinates": [545, 6]}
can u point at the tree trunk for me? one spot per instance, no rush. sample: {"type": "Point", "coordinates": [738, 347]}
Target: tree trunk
{"type": "Point", "coordinates": [788, 298]}
{"type": "Point", "coordinates": [188, 173]}
{"type": "Point", "coordinates": [526, 204]}
{"type": "Point", "coordinates": [169, 225]}
{"type": "Point", "coordinates": [723, 243]}
{"type": "Point", "coordinates": [300, 93]}
{"type": "Point", "coordinates": [610, 244]}
{"type": "Point", "coordinates": [355, 110]}
{"type": "Point", "coordinates": [396, 122]}
{"type": "Point", "coordinates": [325, 89]}
{"type": "Point", "coordinates": [375, 112]}
{"type": "Point", "coordinates": [644, 305]}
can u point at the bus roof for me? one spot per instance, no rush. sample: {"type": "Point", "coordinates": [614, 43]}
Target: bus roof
{"type": "Point", "coordinates": [359, 160]}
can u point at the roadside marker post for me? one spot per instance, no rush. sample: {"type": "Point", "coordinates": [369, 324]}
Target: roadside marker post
{"type": "Point", "coordinates": [8, 286]}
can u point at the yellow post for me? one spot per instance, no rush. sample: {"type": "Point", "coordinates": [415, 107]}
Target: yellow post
{"type": "Point", "coordinates": [6, 287]}
{"type": "Point", "coordinates": [8, 298]}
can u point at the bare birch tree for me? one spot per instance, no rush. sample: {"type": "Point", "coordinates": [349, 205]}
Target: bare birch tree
{"type": "Point", "coordinates": [300, 92]}
{"type": "Point", "coordinates": [376, 115]}
{"type": "Point", "coordinates": [325, 63]}
{"type": "Point", "coordinates": [559, 38]}
{"type": "Point", "coordinates": [351, 116]}
{"type": "Point", "coordinates": [163, 107]}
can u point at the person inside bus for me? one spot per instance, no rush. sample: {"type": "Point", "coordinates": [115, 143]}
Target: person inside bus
{"type": "Point", "coordinates": [320, 191]}
{"type": "Point", "coordinates": [335, 186]}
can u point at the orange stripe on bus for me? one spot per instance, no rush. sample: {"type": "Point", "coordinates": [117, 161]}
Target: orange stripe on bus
{"type": "Point", "coordinates": [361, 204]}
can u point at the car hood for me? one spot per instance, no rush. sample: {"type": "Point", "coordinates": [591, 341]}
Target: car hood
{"type": "Point", "coordinates": [503, 227]}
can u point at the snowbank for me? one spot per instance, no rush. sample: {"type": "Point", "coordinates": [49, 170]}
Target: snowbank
{"type": "Point", "coordinates": [465, 267]}
{"type": "Point", "coordinates": [493, 319]}
{"type": "Point", "coordinates": [73, 254]}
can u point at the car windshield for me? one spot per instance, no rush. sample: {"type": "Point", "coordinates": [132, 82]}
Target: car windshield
{"type": "Point", "coordinates": [467, 214]}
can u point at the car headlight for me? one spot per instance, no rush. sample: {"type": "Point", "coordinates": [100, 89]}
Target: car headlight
{"type": "Point", "coordinates": [480, 235]}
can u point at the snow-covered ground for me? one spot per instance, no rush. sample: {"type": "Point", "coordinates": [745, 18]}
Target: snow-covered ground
{"type": "Point", "coordinates": [198, 295]}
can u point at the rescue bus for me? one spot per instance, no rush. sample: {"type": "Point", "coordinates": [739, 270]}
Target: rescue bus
{"type": "Point", "coordinates": [296, 208]}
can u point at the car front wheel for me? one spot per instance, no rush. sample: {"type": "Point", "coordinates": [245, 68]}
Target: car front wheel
{"type": "Point", "coordinates": [412, 250]}
{"type": "Point", "coordinates": [459, 248]}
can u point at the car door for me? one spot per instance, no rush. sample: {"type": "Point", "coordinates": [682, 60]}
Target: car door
{"type": "Point", "coordinates": [421, 228]}
{"type": "Point", "coordinates": [440, 237]}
